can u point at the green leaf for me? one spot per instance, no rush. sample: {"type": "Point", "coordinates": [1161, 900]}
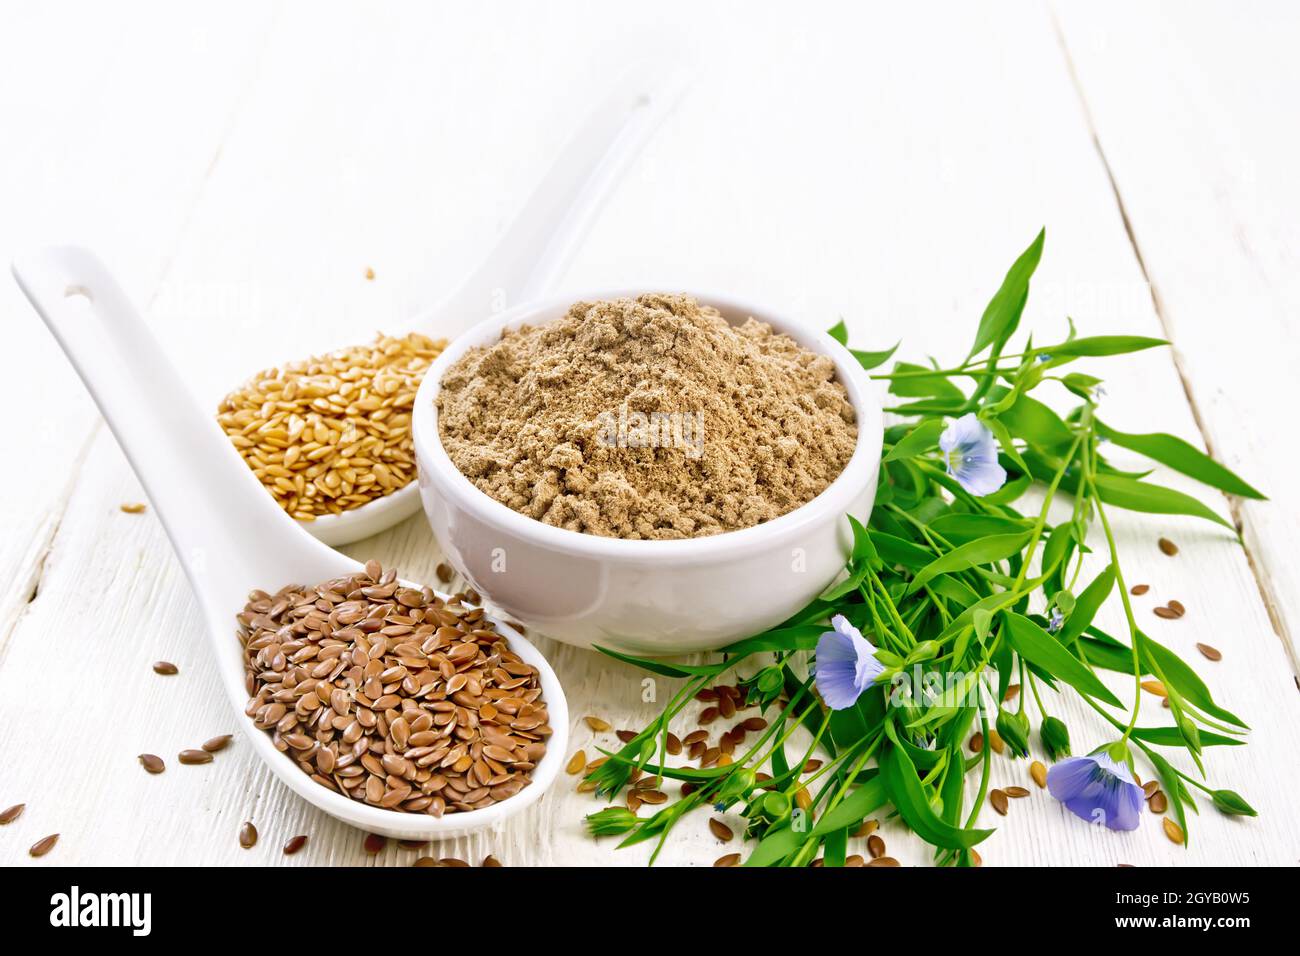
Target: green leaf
{"type": "Point", "coordinates": [996, 547]}
{"type": "Point", "coordinates": [929, 508]}
{"type": "Point", "coordinates": [776, 846]}
{"type": "Point", "coordinates": [1097, 345]}
{"type": "Point", "coordinates": [933, 407]}
{"type": "Point", "coordinates": [1183, 457]}
{"type": "Point", "coordinates": [1087, 604]}
{"type": "Point", "coordinates": [1059, 545]}
{"type": "Point", "coordinates": [918, 441]}
{"type": "Point", "coordinates": [1002, 314]}
{"type": "Point", "coordinates": [894, 550]}
{"type": "Point", "coordinates": [800, 637]}
{"type": "Point", "coordinates": [966, 618]}
{"type": "Point", "coordinates": [1173, 787]}
{"type": "Point", "coordinates": [1009, 492]}
{"type": "Point", "coordinates": [952, 791]}
{"type": "Point", "coordinates": [847, 586]}
{"type": "Point", "coordinates": [839, 332]}
{"type": "Point", "coordinates": [954, 589]}
{"type": "Point", "coordinates": [961, 528]}
{"type": "Point", "coordinates": [1172, 737]}
{"type": "Point", "coordinates": [1033, 421]}
{"type": "Point", "coordinates": [663, 668]}
{"type": "Point", "coordinates": [1175, 673]}
{"type": "Point", "coordinates": [906, 482]}
{"type": "Point", "coordinates": [852, 725]}
{"type": "Point", "coordinates": [1038, 647]}
{"type": "Point", "coordinates": [1153, 499]}
{"type": "Point", "coordinates": [910, 800]}
{"type": "Point", "coordinates": [835, 848]}
{"type": "Point", "coordinates": [1102, 650]}
{"type": "Point", "coordinates": [1005, 442]}
{"type": "Point", "coordinates": [916, 385]}
{"type": "Point", "coordinates": [870, 360]}
{"type": "Point", "coordinates": [864, 552]}
{"type": "Point", "coordinates": [853, 809]}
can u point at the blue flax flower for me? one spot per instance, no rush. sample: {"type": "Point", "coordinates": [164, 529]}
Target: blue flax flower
{"type": "Point", "coordinates": [845, 665]}
{"type": "Point", "coordinates": [971, 454]}
{"type": "Point", "coordinates": [1099, 789]}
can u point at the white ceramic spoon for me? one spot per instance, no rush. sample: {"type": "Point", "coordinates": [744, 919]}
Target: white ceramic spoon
{"type": "Point", "coordinates": [230, 535]}
{"type": "Point", "coordinates": [533, 254]}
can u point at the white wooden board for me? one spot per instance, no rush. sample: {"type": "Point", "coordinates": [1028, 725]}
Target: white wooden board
{"type": "Point", "coordinates": [1194, 108]}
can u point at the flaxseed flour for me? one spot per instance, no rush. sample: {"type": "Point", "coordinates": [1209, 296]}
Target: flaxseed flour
{"type": "Point", "coordinates": [650, 417]}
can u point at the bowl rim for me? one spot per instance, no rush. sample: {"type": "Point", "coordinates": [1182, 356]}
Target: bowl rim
{"type": "Point", "coordinates": [836, 496]}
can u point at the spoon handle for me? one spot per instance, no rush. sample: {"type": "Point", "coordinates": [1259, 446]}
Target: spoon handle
{"type": "Point", "coordinates": [225, 528]}
{"type": "Point", "coordinates": [534, 252]}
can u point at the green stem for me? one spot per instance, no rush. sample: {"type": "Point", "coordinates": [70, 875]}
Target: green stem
{"type": "Point", "coordinates": [985, 752]}
{"type": "Point", "coordinates": [1033, 687]}
{"type": "Point", "coordinates": [1090, 476]}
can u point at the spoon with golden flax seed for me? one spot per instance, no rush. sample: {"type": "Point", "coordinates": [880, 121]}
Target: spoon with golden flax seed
{"type": "Point", "coordinates": [231, 537]}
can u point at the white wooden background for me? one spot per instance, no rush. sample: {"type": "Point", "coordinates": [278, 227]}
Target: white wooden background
{"type": "Point", "coordinates": [241, 170]}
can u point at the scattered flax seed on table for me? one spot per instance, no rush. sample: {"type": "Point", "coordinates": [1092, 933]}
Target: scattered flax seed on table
{"type": "Point", "coordinates": [295, 844]}
{"type": "Point", "coordinates": [333, 432]}
{"type": "Point", "coordinates": [998, 801]}
{"type": "Point", "coordinates": [1038, 770]}
{"type": "Point", "coordinates": [43, 846]}
{"type": "Point", "coordinates": [134, 508]}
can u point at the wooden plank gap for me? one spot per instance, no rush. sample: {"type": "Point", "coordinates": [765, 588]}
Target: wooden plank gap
{"type": "Point", "coordinates": [1263, 581]}
{"type": "Point", "coordinates": [44, 545]}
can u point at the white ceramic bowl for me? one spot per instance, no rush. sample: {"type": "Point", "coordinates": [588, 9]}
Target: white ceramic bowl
{"type": "Point", "coordinates": [646, 597]}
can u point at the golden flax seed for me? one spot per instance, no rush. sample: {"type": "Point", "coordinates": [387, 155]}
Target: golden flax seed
{"type": "Point", "coordinates": [1038, 771]}
{"type": "Point", "coordinates": [333, 432]}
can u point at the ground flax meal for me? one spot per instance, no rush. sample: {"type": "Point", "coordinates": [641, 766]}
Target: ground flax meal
{"type": "Point", "coordinates": [647, 418]}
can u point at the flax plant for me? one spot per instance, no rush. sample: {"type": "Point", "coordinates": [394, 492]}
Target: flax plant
{"type": "Point", "coordinates": [949, 595]}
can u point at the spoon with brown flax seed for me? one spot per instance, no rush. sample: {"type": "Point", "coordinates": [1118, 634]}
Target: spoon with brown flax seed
{"type": "Point", "coordinates": [237, 546]}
